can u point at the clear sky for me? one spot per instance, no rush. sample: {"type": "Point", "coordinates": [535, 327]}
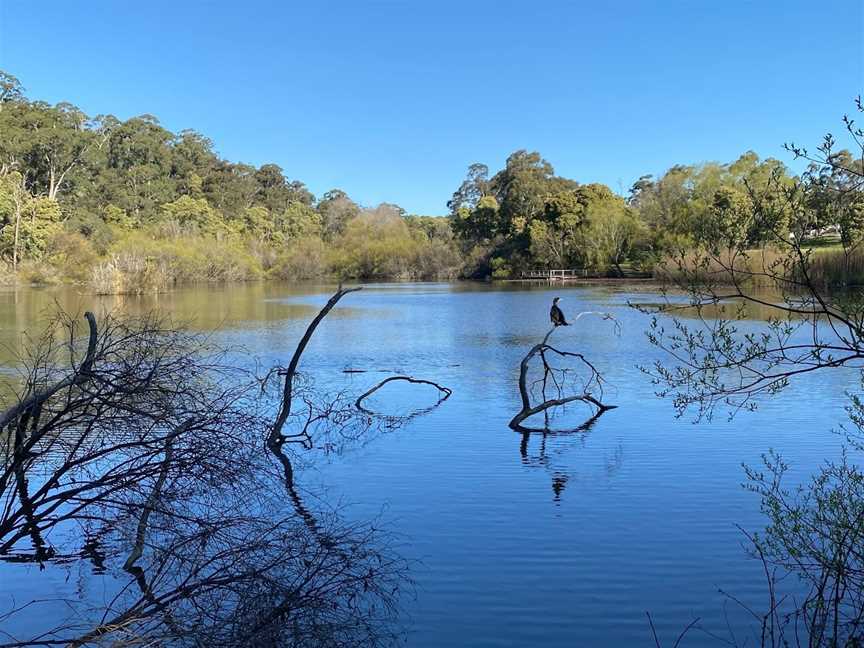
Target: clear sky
{"type": "Point", "coordinates": [391, 101]}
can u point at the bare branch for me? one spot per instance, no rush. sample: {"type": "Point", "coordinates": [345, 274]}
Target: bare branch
{"type": "Point", "coordinates": [417, 381]}
{"type": "Point", "coordinates": [558, 376]}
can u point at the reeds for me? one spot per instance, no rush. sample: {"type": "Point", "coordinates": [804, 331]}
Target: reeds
{"type": "Point", "coordinates": [825, 268]}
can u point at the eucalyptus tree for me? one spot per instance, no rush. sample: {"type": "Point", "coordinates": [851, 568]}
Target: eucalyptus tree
{"type": "Point", "coordinates": [10, 88]}
{"type": "Point", "coordinates": [336, 210]}
{"type": "Point", "coordinates": [231, 188]}
{"type": "Point", "coordinates": [525, 215]}
{"type": "Point", "coordinates": [27, 222]}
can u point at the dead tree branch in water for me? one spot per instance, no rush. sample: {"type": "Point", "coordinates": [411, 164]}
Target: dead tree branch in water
{"type": "Point", "coordinates": [83, 440]}
{"type": "Point", "coordinates": [35, 397]}
{"type": "Point", "coordinates": [335, 412]}
{"type": "Point", "coordinates": [276, 438]}
{"type": "Point", "coordinates": [445, 391]}
{"type": "Point", "coordinates": [148, 444]}
{"type": "Point", "coordinates": [590, 390]}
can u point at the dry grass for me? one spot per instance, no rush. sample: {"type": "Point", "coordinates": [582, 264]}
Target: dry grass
{"type": "Point", "coordinates": [7, 278]}
{"type": "Point", "coordinates": [837, 268]}
{"type": "Point", "coordinates": [129, 274]}
{"type": "Point", "coordinates": [828, 268]}
{"type": "Point", "coordinates": [761, 268]}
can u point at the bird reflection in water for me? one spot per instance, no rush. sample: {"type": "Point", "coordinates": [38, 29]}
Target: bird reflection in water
{"type": "Point", "coordinates": [543, 457]}
{"type": "Point", "coordinates": [559, 481]}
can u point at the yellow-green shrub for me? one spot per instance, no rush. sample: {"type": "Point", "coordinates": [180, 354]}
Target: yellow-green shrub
{"type": "Point", "coordinates": [304, 258]}
{"type": "Point", "coordinates": [73, 255]}
{"type": "Point", "coordinates": [140, 263]}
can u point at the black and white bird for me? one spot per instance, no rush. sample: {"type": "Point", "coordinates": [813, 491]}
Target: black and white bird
{"type": "Point", "coordinates": [556, 314]}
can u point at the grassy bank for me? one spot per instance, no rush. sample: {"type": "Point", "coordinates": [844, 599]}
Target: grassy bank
{"type": "Point", "coordinates": [828, 267]}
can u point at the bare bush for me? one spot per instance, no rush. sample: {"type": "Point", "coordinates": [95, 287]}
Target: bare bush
{"type": "Point", "coordinates": [149, 440]}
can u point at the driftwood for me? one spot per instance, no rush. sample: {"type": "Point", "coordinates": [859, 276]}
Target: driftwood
{"type": "Point", "coordinates": [446, 391]}
{"type": "Point", "coordinates": [326, 412]}
{"type": "Point", "coordinates": [337, 414]}
{"type": "Point", "coordinates": [591, 391]}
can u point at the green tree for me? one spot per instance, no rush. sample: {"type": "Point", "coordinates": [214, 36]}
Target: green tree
{"type": "Point", "coordinates": [299, 220]}
{"type": "Point", "coordinates": [276, 193]}
{"type": "Point", "coordinates": [193, 213]}
{"type": "Point", "coordinates": [10, 88]}
{"type": "Point", "coordinates": [554, 235]}
{"type": "Point", "coordinates": [139, 162]}
{"type": "Point", "coordinates": [479, 224]}
{"type": "Point", "coordinates": [191, 160]}
{"type": "Point", "coordinates": [522, 188]}
{"type": "Point", "coordinates": [473, 188]}
{"type": "Point", "coordinates": [336, 210]}
{"type": "Point", "coordinates": [615, 235]}
{"type": "Point", "coordinates": [28, 222]}
{"type": "Point", "coordinates": [231, 188]}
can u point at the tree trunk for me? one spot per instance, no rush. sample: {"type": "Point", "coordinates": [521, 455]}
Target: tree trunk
{"type": "Point", "coordinates": [52, 185]}
{"type": "Point", "coordinates": [18, 210]}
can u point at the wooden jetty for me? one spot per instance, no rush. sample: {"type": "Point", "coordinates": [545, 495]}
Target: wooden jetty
{"type": "Point", "coordinates": [578, 274]}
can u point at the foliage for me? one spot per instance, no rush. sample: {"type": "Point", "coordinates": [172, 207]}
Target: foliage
{"type": "Point", "coordinates": [814, 531]}
{"type": "Point", "coordinates": [718, 359]}
{"type": "Point", "coordinates": [301, 259]}
{"type": "Point", "coordinates": [376, 244]}
{"type": "Point", "coordinates": [134, 207]}
{"type": "Point", "coordinates": [528, 217]}
{"type": "Point", "coordinates": [27, 222]}
{"type": "Point", "coordinates": [102, 178]}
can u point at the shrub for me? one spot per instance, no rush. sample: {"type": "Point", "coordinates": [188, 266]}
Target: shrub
{"type": "Point", "coordinates": [140, 264]}
{"type": "Point", "coordinates": [436, 259]}
{"type": "Point", "coordinates": [374, 247]}
{"type": "Point", "coordinates": [500, 268]}
{"type": "Point", "coordinates": [72, 255]}
{"type": "Point", "coordinates": [129, 273]}
{"type": "Point", "coordinates": [300, 260]}
{"type": "Point", "coordinates": [7, 278]}
{"type": "Point", "coordinates": [37, 273]}
{"type": "Point", "coordinates": [758, 268]}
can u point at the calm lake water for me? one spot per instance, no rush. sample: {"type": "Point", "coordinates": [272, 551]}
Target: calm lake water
{"type": "Point", "coordinates": [566, 540]}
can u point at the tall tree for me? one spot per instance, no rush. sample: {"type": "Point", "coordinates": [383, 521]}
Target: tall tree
{"type": "Point", "coordinates": [336, 210]}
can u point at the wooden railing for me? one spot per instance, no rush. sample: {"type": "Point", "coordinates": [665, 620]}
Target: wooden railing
{"type": "Point", "coordinates": [553, 275]}
{"type": "Point", "coordinates": [581, 273]}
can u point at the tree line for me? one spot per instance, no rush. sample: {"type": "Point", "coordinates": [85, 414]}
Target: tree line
{"type": "Point", "coordinates": [129, 206]}
{"type": "Point", "coordinates": [525, 216]}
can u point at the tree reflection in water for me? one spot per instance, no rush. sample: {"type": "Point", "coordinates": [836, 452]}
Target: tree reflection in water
{"type": "Point", "coordinates": [543, 456]}
{"type": "Point", "coordinates": [148, 445]}
{"type": "Point", "coordinates": [573, 380]}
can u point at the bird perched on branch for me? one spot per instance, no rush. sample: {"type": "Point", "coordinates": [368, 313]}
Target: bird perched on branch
{"type": "Point", "coordinates": [556, 314]}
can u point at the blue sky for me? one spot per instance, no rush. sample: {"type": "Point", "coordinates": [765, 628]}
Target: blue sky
{"type": "Point", "coordinates": [391, 101]}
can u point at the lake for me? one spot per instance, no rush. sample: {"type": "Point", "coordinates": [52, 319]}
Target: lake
{"type": "Point", "coordinates": [548, 540]}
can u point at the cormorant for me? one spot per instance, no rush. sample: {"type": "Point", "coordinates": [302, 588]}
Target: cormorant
{"type": "Point", "coordinates": [556, 315]}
